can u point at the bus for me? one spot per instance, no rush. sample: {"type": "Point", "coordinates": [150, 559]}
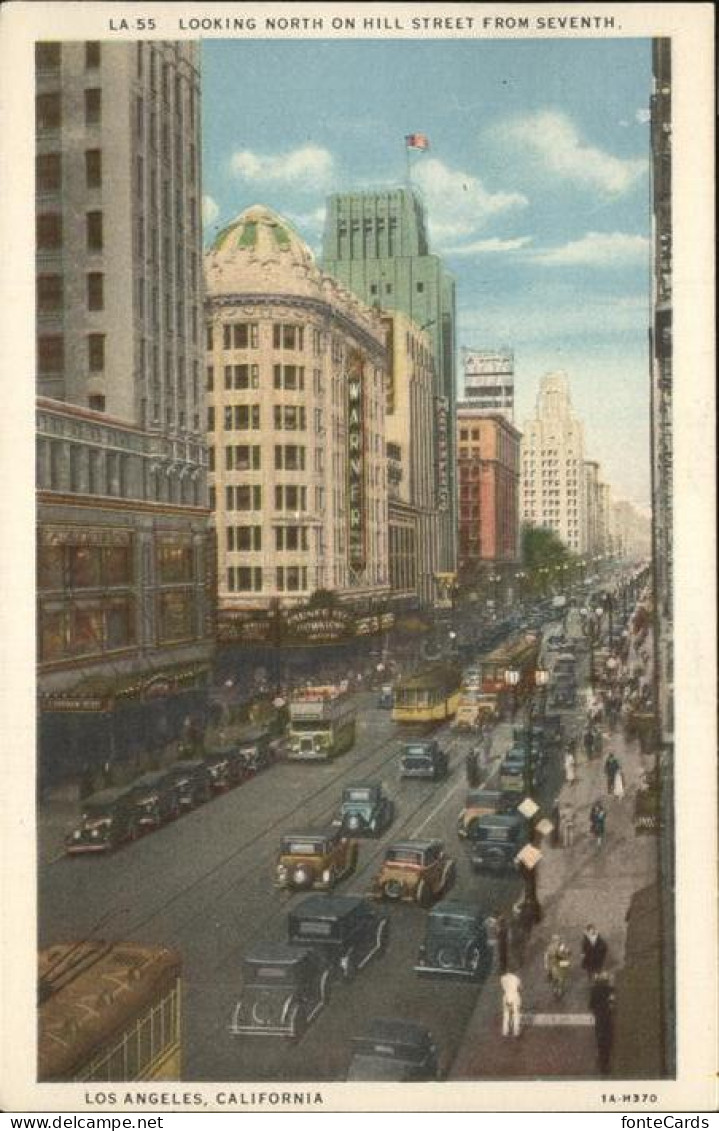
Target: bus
{"type": "Point", "coordinates": [108, 1012]}
{"type": "Point", "coordinates": [520, 655]}
{"type": "Point", "coordinates": [322, 724]}
{"type": "Point", "coordinates": [429, 695]}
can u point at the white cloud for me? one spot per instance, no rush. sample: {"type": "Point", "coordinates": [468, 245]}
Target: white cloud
{"type": "Point", "coordinates": [597, 249]}
{"type": "Point", "coordinates": [308, 221]}
{"type": "Point", "coordinates": [210, 210]}
{"type": "Point", "coordinates": [552, 138]}
{"type": "Point", "coordinates": [307, 167]}
{"type": "Point", "coordinates": [555, 319]}
{"type": "Point", "coordinates": [642, 116]}
{"type": "Point", "coordinates": [491, 246]}
{"type": "Point", "coordinates": [458, 203]}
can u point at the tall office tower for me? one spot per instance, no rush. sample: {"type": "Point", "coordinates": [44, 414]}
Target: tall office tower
{"type": "Point", "coordinates": [489, 381]}
{"type": "Point", "coordinates": [376, 243]}
{"type": "Point", "coordinates": [296, 422]}
{"type": "Point", "coordinates": [489, 463]}
{"type": "Point", "coordinates": [125, 559]}
{"type": "Point", "coordinates": [553, 475]}
{"type": "Point", "coordinates": [592, 504]}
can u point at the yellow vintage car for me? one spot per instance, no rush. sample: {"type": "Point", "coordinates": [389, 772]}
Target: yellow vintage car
{"type": "Point", "coordinates": [416, 871]}
{"type": "Point", "coordinates": [315, 860]}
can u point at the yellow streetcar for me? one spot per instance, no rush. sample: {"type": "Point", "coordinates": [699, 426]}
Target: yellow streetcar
{"type": "Point", "coordinates": [429, 695]}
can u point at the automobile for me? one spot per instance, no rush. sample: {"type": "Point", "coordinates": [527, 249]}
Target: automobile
{"type": "Point", "coordinates": [106, 820]}
{"type": "Point", "coordinates": [495, 841]}
{"type": "Point", "coordinates": [474, 709]}
{"type": "Point", "coordinates": [456, 941]}
{"type": "Point", "coordinates": [346, 929]}
{"type": "Point", "coordinates": [479, 803]}
{"type": "Point", "coordinates": [257, 750]}
{"type": "Point", "coordinates": [394, 1049]}
{"type": "Point", "coordinates": [155, 799]}
{"type": "Point", "coordinates": [423, 759]}
{"type": "Point", "coordinates": [315, 860]}
{"type": "Point", "coordinates": [385, 698]}
{"type": "Point", "coordinates": [563, 693]}
{"type": "Point", "coordinates": [283, 989]}
{"type": "Point", "coordinates": [193, 782]}
{"type": "Point", "coordinates": [225, 766]}
{"type": "Point", "coordinates": [416, 871]}
{"type": "Point", "coordinates": [555, 642]}
{"type": "Point", "coordinates": [513, 770]}
{"type": "Point", "coordinates": [366, 810]}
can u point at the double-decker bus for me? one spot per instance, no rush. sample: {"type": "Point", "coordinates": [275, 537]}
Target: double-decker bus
{"type": "Point", "coordinates": [108, 1011]}
{"type": "Point", "coordinates": [429, 695]}
{"type": "Point", "coordinates": [322, 724]}
{"type": "Point", "coordinates": [520, 655]}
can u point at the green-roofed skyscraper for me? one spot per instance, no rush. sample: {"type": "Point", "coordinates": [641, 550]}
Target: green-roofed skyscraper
{"type": "Point", "coordinates": [375, 243]}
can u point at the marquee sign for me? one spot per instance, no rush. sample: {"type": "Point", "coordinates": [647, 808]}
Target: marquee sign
{"type": "Point", "coordinates": [483, 363]}
{"type": "Point", "coordinates": [356, 464]}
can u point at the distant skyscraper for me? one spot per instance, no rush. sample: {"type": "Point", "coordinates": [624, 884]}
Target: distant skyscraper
{"type": "Point", "coordinates": [553, 473]}
{"type": "Point", "coordinates": [489, 381]}
{"type": "Point", "coordinates": [376, 243]}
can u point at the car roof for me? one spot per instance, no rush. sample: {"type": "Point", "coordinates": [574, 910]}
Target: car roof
{"type": "Point", "coordinates": [327, 906]}
{"type": "Point", "coordinates": [276, 954]}
{"type": "Point", "coordinates": [458, 907]}
{"type": "Point", "coordinates": [187, 764]}
{"type": "Point", "coordinates": [392, 1029]}
{"type": "Point", "coordinates": [311, 834]}
{"type": "Point", "coordinates": [154, 777]}
{"type": "Point", "coordinates": [413, 845]}
{"type": "Point", "coordinates": [375, 786]}
{"type": "Point", "coordinates": [105, 796]}
{"type": "Point", "coordinates": [505, 820]}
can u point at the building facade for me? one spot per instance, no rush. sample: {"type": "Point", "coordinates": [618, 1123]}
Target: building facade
{"type": "Point", "coordinates": [376, 244]}
{"type": "Point", "coordinates": [592, 504]}
{"type": "Point", "coordinates": [489, 468]}
{"type": "Point", "coordinates": [489, 381]}
{"type": "Point", "coordinates": [295, 374]}
{"type": "Point", "coordinates": [411, 459]}
{"type": "Point", "coordinates": [125, 621]}
{"type": "Point", "coordinates": [553, 474]}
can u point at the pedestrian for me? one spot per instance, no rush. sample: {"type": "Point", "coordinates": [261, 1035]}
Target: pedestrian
{"type": "Point", "coordinates": [597, 822]}
{"type": "Point", "coordinates": [618, 787]}
{"type": "Point", "coordinates": [569, 768]}
{"type": "Point", "coordinates": [511, 1004]}
{"type": "Point", "coordinates": [589, 742]}
{"type": "Point", "coordinates": [472, 768]}
{"type": "Point", "coordinates": [611, 766]}
{"type": "Point", "coordinates": [601, 1004]}
{"type": "Point", "coordinates": [567, 826]}
{"type": "Point", "coordinates": [594, 951]}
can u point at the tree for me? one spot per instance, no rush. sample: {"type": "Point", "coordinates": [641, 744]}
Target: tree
{"type": "Point", "coordinates": [543, 553]}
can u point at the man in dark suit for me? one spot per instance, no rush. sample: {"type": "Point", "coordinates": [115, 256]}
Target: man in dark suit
{"type": "Point", "coordinates": [594, 951]}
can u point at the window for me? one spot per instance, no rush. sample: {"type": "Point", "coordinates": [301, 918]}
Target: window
{"type": "Point", "coordinates": [48, 111]}
{"type": "Point", "coordinates": [48, 172]}
{"type": "Point", "coordinates": [290, 457]}
{"type": "Point", "coordinates": [96, 402]}
{"type": "Point", "coordinates": [287, 336]}
{"type": "Point", "coordinates": [93, 168]}
{"type": "Point", "coordinates": [94, 231]}
{"type": "Point", "coordinates": [51, 354]}
{"type": "Point", "coordinates": [246, 497]}
{"type": "Point", "coordinates": [240, 335]}
{"type": "Point", "coordinates": [243, 457]}
{"type": "Point", "coordinates": [49, 231]}
{"type": "Point", "coordinates": [92, 54]}
{"type": "Point", "coordinates": [210, 378]}
{"type": "Point", "coordinates": [96, 352]}
{"type": "Point", "coordinates": [244, 538]}
{"type": "Point", "coordinates": [93, 106]}
{"type": "Point", "coordinates": [289, 377]}
{"type": "Point", "coordinates": [291, 538]}
{"type": "Point", "coordinates": [210, 336]}
{"type": "Point", "coordinates": [211, 419]}
{"type": "Point", "coordinates": [47, 56]}
{"type": "Point", "coordinates": [49, 293]}
{"type": "Point", "coordinates": [289, 418]}
{"type": "Point", "coordinates": [242, 376]}
{"type": "Point", "coordinates": [291, 578]}
{"type": "Point", "coordinates": [290, 498]}
{"type": "Point", "coordinates": [242, 417]}
{"type": "Point", "coordinates": [247, 578]}
{"type": "Point", "coordinates": [420, 288]}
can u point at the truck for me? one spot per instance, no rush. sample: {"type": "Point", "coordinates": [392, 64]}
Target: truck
{"type": "Point", "coordinates": [322, 724]}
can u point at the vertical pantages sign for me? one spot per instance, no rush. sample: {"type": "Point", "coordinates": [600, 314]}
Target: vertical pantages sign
{"type": "Point", "coordinates": [356, 464]}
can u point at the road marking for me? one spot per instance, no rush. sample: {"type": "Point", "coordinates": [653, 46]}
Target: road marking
{"type": "Point", "coordinates": [583, 1020]}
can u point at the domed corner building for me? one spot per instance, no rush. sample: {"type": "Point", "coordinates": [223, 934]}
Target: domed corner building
{"type": "Point", "coordinates": [296, 401]}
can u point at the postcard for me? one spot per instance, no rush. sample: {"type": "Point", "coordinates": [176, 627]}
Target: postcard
{"type": "Point", "coordinates": [358, 657]}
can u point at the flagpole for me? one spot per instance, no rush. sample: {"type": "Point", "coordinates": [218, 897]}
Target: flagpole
{"type": "Point", "coordinates": [409, 166]}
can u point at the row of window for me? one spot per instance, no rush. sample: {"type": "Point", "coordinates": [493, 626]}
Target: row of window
{"type": "Point", "coordinates": [48, 56]}
{"type": "Point", "coordinates": [48, 109]}
{"type": "Point", "coordinates": [51, 354]}
{"type": "Point", "coordinates": [51, 297]}
{"type": "Point", "coordinates": [249, 579]}
{"type": "Point", "coordinates": [246, 335]}
{"type": "Point", "coordinates": [49, 234]}
{"type": "Point", "coordinates": [248, 539]}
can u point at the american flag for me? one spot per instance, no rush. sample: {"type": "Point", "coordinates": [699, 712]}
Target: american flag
{"type": "Point", "coordinates": [416, 141]}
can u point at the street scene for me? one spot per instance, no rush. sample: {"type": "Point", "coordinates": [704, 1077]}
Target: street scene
{"type": "Point", "coordinates": [354, 567]}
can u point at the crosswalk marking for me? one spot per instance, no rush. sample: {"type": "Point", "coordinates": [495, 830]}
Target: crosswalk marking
{"type": "Point", "coordinates": [585, 1020]}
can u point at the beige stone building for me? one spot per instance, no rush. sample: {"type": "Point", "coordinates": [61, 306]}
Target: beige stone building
{"type": "Point", "coordinates": [295, 376]}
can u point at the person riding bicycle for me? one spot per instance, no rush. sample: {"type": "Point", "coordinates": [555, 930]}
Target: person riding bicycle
{"type": "Point", "coordinates": [557, 963]}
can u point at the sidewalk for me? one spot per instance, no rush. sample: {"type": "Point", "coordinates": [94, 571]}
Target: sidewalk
{"type": "Point", "coordinates": [576, 886]}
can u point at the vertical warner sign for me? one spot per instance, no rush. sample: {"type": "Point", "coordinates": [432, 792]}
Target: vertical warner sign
{"type": "Point", "coordinates": [356, 470]}
{"type": "Point", "coordinates": [442, 423]}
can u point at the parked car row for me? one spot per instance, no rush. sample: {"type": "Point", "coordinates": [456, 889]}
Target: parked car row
{"type": "Point", "coordinates": [112, 817]}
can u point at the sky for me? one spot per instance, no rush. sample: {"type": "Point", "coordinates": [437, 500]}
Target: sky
{"type": "Point", "coordinates": [535, 183]}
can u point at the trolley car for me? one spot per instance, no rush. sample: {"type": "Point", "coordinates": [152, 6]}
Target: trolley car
{"type": "Point", "coordinates": [519, 655]}
{"type": "Point", "coordinates": [429, 695]}
{"type": "Point", "coordinates": [108, 1012]}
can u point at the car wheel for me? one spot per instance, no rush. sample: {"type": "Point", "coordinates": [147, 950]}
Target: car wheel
{"type": "Point", "coordinates": [298, 1024]}
{"type": "Point", "coordinates": [302, 877]}
{"type": "Point", "coordinates": [393, 889]}
{"type": "Point", "coordinates": [423, 894]}
{"type": "Point", "coordinates": [447, 958]}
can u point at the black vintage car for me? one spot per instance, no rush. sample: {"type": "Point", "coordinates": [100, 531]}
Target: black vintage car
{"type": "Point", "coordinates": [495, 841]}
{"type": "Point", "coordinates": [366, 810]}
{"type": "Point", "coordinates": [193, 781]}
{"type": "Point", "coordinates": [107, 819]}
{"type": "Point", "coordinates": [456, 942]}
{"type": "Point", "coordinates": [155, 799]}
{"type": "Point", "coordinates": [284, 988]}
{"type": "Point", "coordinates": [423, 758]}
{"type": "Point", "coordinates": [226, 767]}
{"type": "Point", "coordinates": [346, 930]}
{"type": "Point", "coordinates": [393, 1049]}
